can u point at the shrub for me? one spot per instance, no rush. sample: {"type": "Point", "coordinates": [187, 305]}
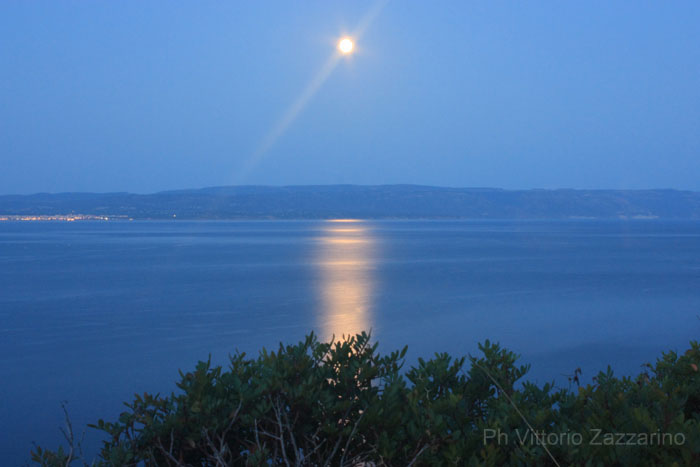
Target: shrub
{"type": "Point", "coordinates": [341, 403]}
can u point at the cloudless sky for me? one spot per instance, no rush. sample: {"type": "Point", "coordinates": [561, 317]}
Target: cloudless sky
{"type": "Point", "coordinates": [145, 96]}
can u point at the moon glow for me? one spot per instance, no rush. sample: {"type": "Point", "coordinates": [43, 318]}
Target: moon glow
{"type": "Point", "coordinates": [345, 46]}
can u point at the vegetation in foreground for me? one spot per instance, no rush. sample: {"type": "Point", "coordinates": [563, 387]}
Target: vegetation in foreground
{"type": "Point", "coordinates": [342, 403]}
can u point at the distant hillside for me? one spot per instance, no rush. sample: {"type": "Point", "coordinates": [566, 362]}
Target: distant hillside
{"type": "Point", "coordinates": [351, 201]}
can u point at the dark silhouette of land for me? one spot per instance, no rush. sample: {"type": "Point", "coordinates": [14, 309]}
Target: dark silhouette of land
{"type": "Point", "coordinates": [369, 202]}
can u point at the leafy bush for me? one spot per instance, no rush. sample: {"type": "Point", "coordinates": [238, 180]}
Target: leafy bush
{"type": "Point", "coordinates": [342, 403]}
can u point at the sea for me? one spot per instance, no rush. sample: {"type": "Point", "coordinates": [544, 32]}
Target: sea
{"type": "Point", "coordinates": [93, 312]}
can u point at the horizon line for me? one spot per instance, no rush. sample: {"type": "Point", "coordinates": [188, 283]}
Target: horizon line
{"type": "Point", "coordinates": [330, 185]}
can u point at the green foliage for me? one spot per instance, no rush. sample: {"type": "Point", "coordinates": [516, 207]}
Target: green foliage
{"type": "Point", "coordinates": [341, 403]}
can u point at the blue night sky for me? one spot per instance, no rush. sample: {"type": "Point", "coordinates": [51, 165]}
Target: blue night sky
{"type": "Point", "coordinates": [147, 96]}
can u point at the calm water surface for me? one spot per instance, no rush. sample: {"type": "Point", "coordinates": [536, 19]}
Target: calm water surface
{"type": "Point", "coordinates": [91, 313]}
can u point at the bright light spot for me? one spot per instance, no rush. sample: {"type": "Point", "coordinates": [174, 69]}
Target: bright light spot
{"type": "Point", "coordinates": [345, 46]}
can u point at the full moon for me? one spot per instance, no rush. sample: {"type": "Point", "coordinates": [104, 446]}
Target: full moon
{"type": "Point", "coordinates": [345, 46]}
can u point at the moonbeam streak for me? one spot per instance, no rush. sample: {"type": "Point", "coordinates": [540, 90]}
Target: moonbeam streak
{"type": "Point", "coordinates": [293, 111]}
